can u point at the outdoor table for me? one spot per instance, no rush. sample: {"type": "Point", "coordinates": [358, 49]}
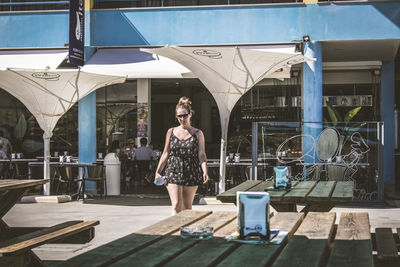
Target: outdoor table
{"type": "Point", "coordinates": [308, 243]}
{"type": "Point", "coordinates": [81, 172]}
{"type": "Point", "coordinates": [318, 196]}
{"type": "Point", "coordinates": [16, 243]}
{"type": "Point", "coordinates": [10, 192]}
{"type": "Point", "coordinates": [13, 168]}
{"type": "Point", "coordinates": [236, 172]}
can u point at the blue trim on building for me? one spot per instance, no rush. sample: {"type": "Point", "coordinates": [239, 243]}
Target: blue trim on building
{"type": "Point", "coordinates": [208, 25]}
{"type": "Point", "coordinates": [387, 111]}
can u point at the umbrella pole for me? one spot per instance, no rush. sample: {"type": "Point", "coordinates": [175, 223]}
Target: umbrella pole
{"type": "Point", "coordinates": [222, 165]}
{"type": "Point", "coordinates": [46, 164]}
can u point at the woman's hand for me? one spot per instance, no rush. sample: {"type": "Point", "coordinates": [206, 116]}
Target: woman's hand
{"type": "Point", "coordinates": [205, 178]}
{"type": "Point", "coordinates": [157, 175]}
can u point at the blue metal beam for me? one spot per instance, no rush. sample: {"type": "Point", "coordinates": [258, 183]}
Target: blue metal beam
{"type": "Point", "coordinates": [209, 25]}
{"type": "Point", "coordinates": [246, 24]}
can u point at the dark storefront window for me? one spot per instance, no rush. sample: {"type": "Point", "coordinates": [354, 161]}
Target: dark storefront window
{"type": "Point", "coordinates": [25, 134]}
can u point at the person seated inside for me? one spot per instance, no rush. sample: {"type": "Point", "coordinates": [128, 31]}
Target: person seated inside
{"type": "Point", "coordinates": [6, 147]}
{"type": "Point", "coordinates": [129, 148]}
{"type": "Point", "coordinates": [3, 165]}
{"type": "Point", "coordinates": [143, 155]}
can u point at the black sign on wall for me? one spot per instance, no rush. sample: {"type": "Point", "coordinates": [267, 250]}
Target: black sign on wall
{"type": "Point", "coordinates": [76, 32]}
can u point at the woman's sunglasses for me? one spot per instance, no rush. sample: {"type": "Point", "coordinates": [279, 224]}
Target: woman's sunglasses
{"type": "Point", "coordinates": [182, 116]}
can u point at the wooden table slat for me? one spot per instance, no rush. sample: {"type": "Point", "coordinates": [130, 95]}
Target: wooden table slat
{"type": "Point", "coordinates": [277, 194]}
{"type": "Point", "coordinates": [171, 246]}
{"type": "Point", "coordinates": [46, 235]}
{"type": "Point", "coordinates": [385, 243]}
{"type": "Point", "coordinates": [308, 245]}
{"type": "Point", "coordinates": [261, 187]}
{"type": "Point", "coordinates": [121, 248]}
{"type": "Point", "coordinates": [14, 184]}
{"type": "Point", "coordinates": [215, 249]}
{"type": "Point", "coordinates": [343, 191]}
{"type": "Point", "coordinates": [217, 220]}
{"type": "Point", "coordinates": [322, 191]}
{"type": "Point", "coordinates": [228, 229]}
{"type": "Point", "coordinates": [224, 227]}
{"type": "Point", "coordinates": [262, 255]}
{"type": "Point", "coordinates": [352, 245]}
{"type": "Point", "coordinates": [300, 192]}
{"type": "Point", "coordinates": [230, 195]}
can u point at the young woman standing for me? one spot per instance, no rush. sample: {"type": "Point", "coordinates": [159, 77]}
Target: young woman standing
{"type": "Point", "coordinates": [184, 159]}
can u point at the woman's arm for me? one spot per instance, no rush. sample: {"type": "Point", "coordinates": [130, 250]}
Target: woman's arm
{"type": "Point", "coordinates": [164, 155]}
{"type": "Point", "coordinates": [202, 156]}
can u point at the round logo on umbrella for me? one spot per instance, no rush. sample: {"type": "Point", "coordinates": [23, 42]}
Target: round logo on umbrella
{"type": "Point", "coordinates": [207, 53]}
{"type": "Point", "coordinates": [49, 76]}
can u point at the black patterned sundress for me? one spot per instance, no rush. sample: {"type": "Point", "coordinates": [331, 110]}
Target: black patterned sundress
{"type": "Point", "coordinates": [183, 165]}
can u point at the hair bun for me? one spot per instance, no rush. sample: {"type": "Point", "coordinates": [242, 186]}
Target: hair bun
{"type": "Point", "coordinates": [184, 101]}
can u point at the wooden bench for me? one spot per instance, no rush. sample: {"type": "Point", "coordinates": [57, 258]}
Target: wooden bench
{"type": "Point", "coordinates": [17, 251]}
{"type": "Point", "coordinates": [352, 245]}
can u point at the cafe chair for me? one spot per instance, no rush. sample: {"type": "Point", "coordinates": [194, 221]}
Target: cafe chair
{"type": "Point", "coordinates": [14, 171]}
{"type": "Point", "coordinates": [66, 180]}
{"type": "Point", "coordinates": [95, 173]}
{"type": "Point", "coordinates": [336, 172]}
{"type": "Point", "coordinates": [4, 170]}
{"type": "Point", "coordinates": [143, 172]}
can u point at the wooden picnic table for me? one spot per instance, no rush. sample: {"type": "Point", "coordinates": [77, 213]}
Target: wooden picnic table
{"type": "Point", "coordinates": [311, 241]}
{"type": "Point", "coordinates": [16, 242]}
{"type": "Point", "coordinates": [318, 196]}
{"type": "Point", "coordinates": [10, 192]}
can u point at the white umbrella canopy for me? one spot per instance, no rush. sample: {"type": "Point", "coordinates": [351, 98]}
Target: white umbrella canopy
{"type": "Point", "coordinates": [50, 94]}
{"type": "Point", "coordinates": [133, 63]}
{"type": "Point", "coordinates": [228, 73]}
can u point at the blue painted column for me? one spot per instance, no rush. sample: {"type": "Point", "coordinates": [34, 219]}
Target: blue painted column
{"type": "Point", "coordinates": [87, 132]}
{"type": "Point", "coordinates": [387, 111]}
{"type": "Point", "coordinates": [87, 145]}
{"type": "Point", "coordinates": [312, 99]}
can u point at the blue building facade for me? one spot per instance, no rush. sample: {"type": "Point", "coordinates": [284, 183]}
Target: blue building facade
{"type": "Point", "coordinates": [350, 32]}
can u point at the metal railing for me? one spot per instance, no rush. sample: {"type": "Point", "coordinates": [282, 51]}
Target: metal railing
{"type": "Point", "coordinates": [27, 5]}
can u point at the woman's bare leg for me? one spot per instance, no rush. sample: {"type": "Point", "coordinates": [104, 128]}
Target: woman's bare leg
{"type": "Point", "coordinates": [176, 195]}
{"type": "Point", "coordinates": [188, 196]}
